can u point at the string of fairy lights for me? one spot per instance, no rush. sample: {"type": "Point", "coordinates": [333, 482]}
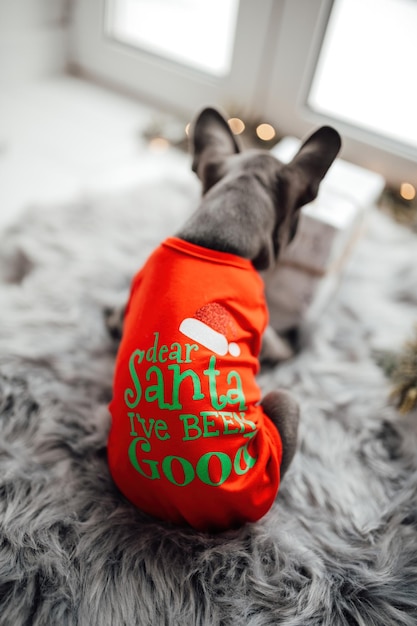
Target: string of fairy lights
{"type": "Point", "coordinates": [262, 130]}
{"type": "Point", "coordinates": [165, 132]}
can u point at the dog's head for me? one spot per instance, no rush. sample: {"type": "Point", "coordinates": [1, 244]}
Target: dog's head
{"type": "Point", "coordinates": [265, 191]}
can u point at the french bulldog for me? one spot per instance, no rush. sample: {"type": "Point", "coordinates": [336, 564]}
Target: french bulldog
{"type": "Point", "coordinates": [192, 441]}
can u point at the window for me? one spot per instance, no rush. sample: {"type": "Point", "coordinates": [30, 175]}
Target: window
{"type": "Point", "coordinates": [182, 31]}
{"type": "Point", "coordinates": [180, 54]}
{"type": "Point", "coordinates": [338, 62]}
{"type": "Point", "coordinates": [295, 63]}
{"type": "Point", "coordinates": [365, 73]}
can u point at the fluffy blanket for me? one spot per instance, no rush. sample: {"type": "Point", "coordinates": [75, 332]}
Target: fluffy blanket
{"type": "Point", "coordinates": [339, 546]}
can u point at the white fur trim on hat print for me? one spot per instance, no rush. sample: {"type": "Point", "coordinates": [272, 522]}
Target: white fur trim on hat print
{"type": "Point", "coordinates": [211, 326]}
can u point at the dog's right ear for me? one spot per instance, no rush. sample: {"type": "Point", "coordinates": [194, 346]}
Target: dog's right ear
{"type": "Point", "coordinates": [212, 141]}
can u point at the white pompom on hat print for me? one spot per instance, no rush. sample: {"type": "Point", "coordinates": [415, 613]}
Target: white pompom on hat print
{"type": "Point", "coordinates": [213, 327]}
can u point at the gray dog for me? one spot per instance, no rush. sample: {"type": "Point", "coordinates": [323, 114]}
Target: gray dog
{"type": "Point", "coordinates": [191, 440]}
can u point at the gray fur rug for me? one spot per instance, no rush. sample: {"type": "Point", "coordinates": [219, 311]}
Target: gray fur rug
{"type": "Point", "coordinates": [339, 547]}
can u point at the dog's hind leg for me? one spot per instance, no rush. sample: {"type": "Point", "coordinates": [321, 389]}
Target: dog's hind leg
{"type": "Point", "coordinates": [283, 410]}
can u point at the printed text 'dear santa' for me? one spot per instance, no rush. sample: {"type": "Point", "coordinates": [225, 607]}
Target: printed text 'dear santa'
{"type": "Point", "coordinates": [151, 385]}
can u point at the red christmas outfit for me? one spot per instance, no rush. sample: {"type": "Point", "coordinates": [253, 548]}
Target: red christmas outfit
{"type": "Point", "coordinates": [189, 442]}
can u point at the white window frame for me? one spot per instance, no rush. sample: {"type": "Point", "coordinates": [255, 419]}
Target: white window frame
{"type": "Point", "coordinates": [302, 30]}
{"type": "Point", "coordinates": [276, 50]}
{"type": "Point", "coordinates": [170, 84]}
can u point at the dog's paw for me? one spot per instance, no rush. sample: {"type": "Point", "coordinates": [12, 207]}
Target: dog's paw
{"type": "Point", "coordinates": [113, 319]}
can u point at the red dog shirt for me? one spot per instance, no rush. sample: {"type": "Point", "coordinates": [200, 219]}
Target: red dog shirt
{"type": "Point", "coordinates": [189, 442]}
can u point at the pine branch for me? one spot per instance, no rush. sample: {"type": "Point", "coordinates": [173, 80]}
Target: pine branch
{"type": "Point", "coordinates": [404, 377]}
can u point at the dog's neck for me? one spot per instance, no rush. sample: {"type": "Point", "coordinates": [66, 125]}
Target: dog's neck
{"type": "Point", "coordinates": [234, 220]}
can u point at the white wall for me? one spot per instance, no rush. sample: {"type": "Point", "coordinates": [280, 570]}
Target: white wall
{"type": "Point", "coordinates": [33, 39]}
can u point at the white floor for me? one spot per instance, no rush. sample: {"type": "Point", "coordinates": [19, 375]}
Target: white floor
{"type": "Point", "coordinates": [64, 137]}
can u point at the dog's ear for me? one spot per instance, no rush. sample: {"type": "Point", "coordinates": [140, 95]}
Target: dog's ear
{"type": "Point", "coordinates": [300, 179]}
{"type": "Point", "coordinates": [211, 142]}
{"type": "Point", "coordinates": [311, 163]}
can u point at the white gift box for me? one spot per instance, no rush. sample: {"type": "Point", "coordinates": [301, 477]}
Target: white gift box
{"type": "Point", "coordinates": [309, 271]}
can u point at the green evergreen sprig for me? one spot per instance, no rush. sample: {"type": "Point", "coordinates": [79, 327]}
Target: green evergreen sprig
{"type": "Point", "coordinates": [401, 369]}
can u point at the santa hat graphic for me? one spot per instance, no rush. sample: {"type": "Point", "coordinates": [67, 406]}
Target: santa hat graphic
{"type": "Point", "coordinates": [212, 326]}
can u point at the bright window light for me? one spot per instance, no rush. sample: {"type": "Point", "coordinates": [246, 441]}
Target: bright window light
{"type": "Point", "coordinates": [366, 68]}
{"type": "Point", "coordinates": [196, 33]}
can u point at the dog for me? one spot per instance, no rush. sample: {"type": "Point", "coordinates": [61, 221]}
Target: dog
{"type": "Point", "coordinates": [191, 441]}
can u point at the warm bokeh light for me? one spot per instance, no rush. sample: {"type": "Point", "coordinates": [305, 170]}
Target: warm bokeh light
{"type": "Point", "coordinates": [266, 132]}
{"type": "Point", "coordinates": [237, 126]}
{"type": "Point", "coordinates": [158, 144]}
{"type": "Point", "coordinates": [407, 191]}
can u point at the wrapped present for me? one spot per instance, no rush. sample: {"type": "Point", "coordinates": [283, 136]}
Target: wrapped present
{"type": "Point", "coordinates": [308, 274]}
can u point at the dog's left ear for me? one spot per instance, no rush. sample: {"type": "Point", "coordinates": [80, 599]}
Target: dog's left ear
{"type": "Point", "coordinates": [212, 142]}
{"type": "Point", "coordinates": [310, 164]}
